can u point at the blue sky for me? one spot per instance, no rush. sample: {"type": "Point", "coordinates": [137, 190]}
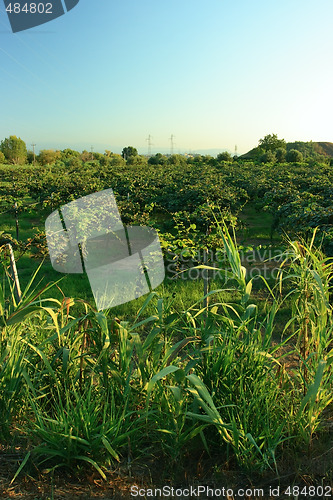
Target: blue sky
{"type": "Point", "coordinates": [214, 74]}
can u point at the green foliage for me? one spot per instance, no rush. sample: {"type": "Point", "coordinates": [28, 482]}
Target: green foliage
{"type": "Point", "coordinates": [128, 152]}
{"type": "Point", "coordinates": [77, 425]}
{"type": "Point", "coordinates": [177, 160]}
{"type": "Point", "coordinates": [280, 154]}
{"type": "Point", "coordinates": [86, 156]}
{"type": "Point", "coordinates": [317, 151]}
{"type": "Point", "coordinates": [310, 275]}
{"type": "Point", "coordinates": [160, 159]}
{"type": "Point", "coordinates": [2, 157]}
{"type": "Point", "coordinates": [48, 156]}
{"type": "Point", "coordinates": [30, 157]}
{"type": "Point", "coordinates": [136, 160]}
{"type": "Point", "coordinates": [116, 160]}
{"type": "Point", "coordinates": [267, 157]}
{"type": "Point", "coordinates": [68, 154]}
{"type": "Point", "coordinates": [14, 150]}
{"type": "Point", "coordinates": [294, 156]}
{"type": "Point", "coordinates": [99, 157]}
{"type": "Point", "coordinates": [74, 162]}
{"type": "Point", "coordinates": [92, 389]}
{"type": "Point", "coordinates": [271, 143]}
{"type": "Point", "coordinates": [224, 156]}
{"type": "Point", "coordinates": [310, 149]}
{"type": "Point", "coordinates": [84, 387]}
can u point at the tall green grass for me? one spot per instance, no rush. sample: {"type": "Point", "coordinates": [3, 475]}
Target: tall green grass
{"type": "Point", "coordinates": [91, 389]}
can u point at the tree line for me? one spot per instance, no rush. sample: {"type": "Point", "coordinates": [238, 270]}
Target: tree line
{"type": "Point", "coordinates": [270, 149]}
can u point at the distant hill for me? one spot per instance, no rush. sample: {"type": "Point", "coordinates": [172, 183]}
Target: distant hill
{"type": "Point", "coordinates": [325, 148]}
{"type": "Point", "coordinates": [251, 155]}
{"type": "Point", "coordinates": [308, 149]}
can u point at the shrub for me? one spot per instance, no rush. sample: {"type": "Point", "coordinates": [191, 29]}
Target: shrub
{"type": "Point", "coordinates": [225, 156]}
{"type": "Point", "coordinates": [294, 156]}
{"type": "Point", "coordinates": [280, 155]}
{"type": "Point", "coordinates": [267, 157]}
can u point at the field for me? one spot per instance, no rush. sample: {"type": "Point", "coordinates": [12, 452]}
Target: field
{"type": "Point", "coordinates": [223, 377]}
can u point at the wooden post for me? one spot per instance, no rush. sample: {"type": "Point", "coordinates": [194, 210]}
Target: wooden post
{"type": "Point", "coordinates": [16, 221]}
{"type": "Point", "coordinates": [14, 274]}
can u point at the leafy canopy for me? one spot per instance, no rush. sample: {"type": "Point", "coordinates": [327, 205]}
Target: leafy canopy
{"type": "Point", "coordinates": [271, 143]}
{"type": "Point", "coordinates": [128, 152]}
{"type": "Point", "coordinates": [14, 150]}
{"type": "Point", "coordinates": [48, 156]}
{"type": "Point", "coordinates": [294, 156]}
{"type": "Point", "coordinates": [224, 156]}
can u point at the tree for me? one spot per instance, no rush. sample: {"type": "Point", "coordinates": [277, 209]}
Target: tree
{"type": "Point", "coordinates": [158, 159]}
{"type": "Point", "coordinates": [109, 158]}
{"type": "Point", "coordinates": [116, 159]}
{"type": "Point", "coordinates": [280, 154]}
{"type": "Point", "coordinates": [99, 157]}
{"type": "Point", "coordinates": [48, 156]}
{"type": "Point", "coordinates": [30, 156]}
{"type": "Point", "coordinates": [208, 159]}
{"type": "Point", "coordinates": [14, 149]}
{"type": "Point", "coordinates": [294, 156]}
{"type": "Point", "coordinates": [75, 162]}
{"type": "Point", "coordinates": [267, 157]}
{"type": "Point", "coordinates": [271, 143]}
{"type": "Point", "coordinates": [137, 160]}
{"type": "Point", "coordinates": [68, 154]}
{"type": "Point", "coordinates": [128, 152]}
{"type": "Point", "coordinates": [85, 156]}
{"type": "Point", "coordinates": [177, 160]}
{"type": "Point", "coordinates": [224, 156]}
{"type": "Point", "coordinates": [2, 157]}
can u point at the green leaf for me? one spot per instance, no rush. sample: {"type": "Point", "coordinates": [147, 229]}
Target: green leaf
{"type": "Point", "coordinates": [93, 463]}
{"type": "Point", "coordinates": [314, 388]}
{"type": "Point", "coordinates": [26, 458]}
{"type": "Point", "coordinates": [110, 449]}
{"type": "Point", "coordinates": [163, 373]}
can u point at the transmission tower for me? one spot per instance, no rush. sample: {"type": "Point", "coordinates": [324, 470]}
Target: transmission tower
{"type": "Point", "coordinates": [149, 138]}
{"type": "Point", "coordinates": [92, 152]}
{"type": "Point", "coordinates": [172, 144]}
{"type": "Point", "coordinates": [33, 147]}
{"type": "Point", "coordinates": [236, 150]}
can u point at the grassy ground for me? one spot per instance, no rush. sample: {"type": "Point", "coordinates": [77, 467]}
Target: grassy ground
{"type": "Point", "coordinates": [256, 228]}
{"type": "Point", "coordinates": [311, 466]}
{"type": "Point", "coordinates": [200, 470]}
{"type": "Point", "coordinates": [254, 238]}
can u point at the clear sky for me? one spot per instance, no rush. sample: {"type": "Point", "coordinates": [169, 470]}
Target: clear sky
{"type": "Point", "coordinates": [213, 73]}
